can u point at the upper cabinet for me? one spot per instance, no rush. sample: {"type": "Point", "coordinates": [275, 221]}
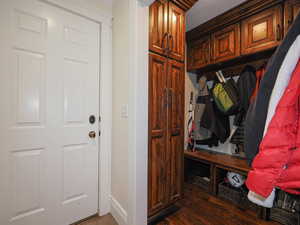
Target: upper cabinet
{"type": "Point", "coordinates": [226, 43]}
{"type": "Point", "coordinates": [167, 29]}
{"type": "Point", "coordinates": [199, 53]}
{"type": "Point", "coordinates": [262, 31]}
{"type": "Point", "coordinates": [291, 10]}
{"type": "Point", "coordinates": [251, 27]}
{"type": "Point", "coordinates": [158, 27]}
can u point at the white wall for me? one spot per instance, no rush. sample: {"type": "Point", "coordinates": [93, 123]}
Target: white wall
{"type": "Point", "coordinates": [130, 136]}
{"type": "Point", "coordinates": [119, 163]}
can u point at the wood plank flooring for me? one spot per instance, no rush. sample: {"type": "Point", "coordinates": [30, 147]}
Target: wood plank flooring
{"type": "Point", "coordinates": [200, 208]}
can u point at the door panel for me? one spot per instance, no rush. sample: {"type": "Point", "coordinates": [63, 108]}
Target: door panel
{"type": "Point", "coordinates": [157, 186]}
{"type": "Point", "coordinates": [28, 78]}
{"type": "Point", "coordinates": [74, 86]}
{"type": "Point", "coordinates": [25, 149]}
{"type": "Point", "coordinates": [157, 93]}
{"type": "Point", "coordinates": [174, 156]}
{"type": "Point", "coordinates": [158, 27]}
{"type": "Point", "coordinates": [157, 132]}
{"type": "Point", "coordinates": [49, 86]}
{"type": "Point", "coordinates": [175, 169]}
{"type": "Point", "coordinates": [199, 54]}
{"type": "Point", "coordinates": [262, 31]}
{"type": "Point", "coordinates": [226, 43]}
{"type": "Point", "coordinates": [176, 32]}
{"type": "Point", "coordinates": [79, 99]}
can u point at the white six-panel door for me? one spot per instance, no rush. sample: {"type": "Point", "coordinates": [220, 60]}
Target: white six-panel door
{"type": "Point", "coordinates": [49, 87]}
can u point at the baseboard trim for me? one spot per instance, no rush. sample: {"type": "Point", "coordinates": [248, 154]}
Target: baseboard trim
{"type": "Point", "coordinates": [118, 212]}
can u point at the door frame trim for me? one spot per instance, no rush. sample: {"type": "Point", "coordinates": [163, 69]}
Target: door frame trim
{"type": "Point", "coordinates": [105, 111]}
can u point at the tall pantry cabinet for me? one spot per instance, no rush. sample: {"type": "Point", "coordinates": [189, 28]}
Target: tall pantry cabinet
{"type": "Point", "coordinates": [166, 105]}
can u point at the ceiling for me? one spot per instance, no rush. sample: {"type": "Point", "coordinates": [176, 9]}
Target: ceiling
{"type": "Point", "coordinates": [205, 10]}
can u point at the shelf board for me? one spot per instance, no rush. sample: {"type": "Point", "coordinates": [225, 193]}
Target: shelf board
{"type": "Point", "coordinates": [219, 159]}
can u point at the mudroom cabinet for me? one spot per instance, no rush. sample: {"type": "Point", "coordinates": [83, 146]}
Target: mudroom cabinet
{"type": "Point", "coordinates": [158, 27]}
{"type": "Point", "coordinates": [199, 53]}
{"type": "Point", "coordinates": [262, 31]}
{"type": "Point", "coordinates": [166, 88]}
{"type": "Point", "coordinates": [244, 37]}
{"type": "Point", "coordinates": [166, 105]}
{"type": "Point", "coordinates": [167, 29]}
{"type": "Point", "coordinates": [226, 43]}
{"type": "Point", "coordinates": [250, 28]}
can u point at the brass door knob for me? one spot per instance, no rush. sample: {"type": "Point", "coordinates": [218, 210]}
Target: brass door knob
{"type": "Point", "coordinates": [92, 134]}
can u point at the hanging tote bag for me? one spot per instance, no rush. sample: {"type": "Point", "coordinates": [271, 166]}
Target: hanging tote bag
{"type": "Point", "coordinates": [225, 95]}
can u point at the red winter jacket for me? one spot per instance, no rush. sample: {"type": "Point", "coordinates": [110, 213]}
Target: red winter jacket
{"type": "Point", "coordinates": [278, 162]}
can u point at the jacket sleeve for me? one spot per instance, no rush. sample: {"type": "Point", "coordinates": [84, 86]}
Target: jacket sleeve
{"type": "Point", "coordinates": [270, 163]}
{"type": "Point", "coordinates": [277, 146]}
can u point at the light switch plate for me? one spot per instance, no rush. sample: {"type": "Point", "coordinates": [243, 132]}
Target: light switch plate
{"type": "Point", "coordinates": [124, 111]}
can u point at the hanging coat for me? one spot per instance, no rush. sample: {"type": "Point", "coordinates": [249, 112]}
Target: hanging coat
{"type": "Point", "coordinates": [245, 86]}
{"type": "Point", "coordinates": [259, 75]}
{"type": "Point", "coordinates": [257, 113]}
{"type": "Point", "coordinates": [215, 121]}
{"type": "Point", "coordinates": [278, 161]}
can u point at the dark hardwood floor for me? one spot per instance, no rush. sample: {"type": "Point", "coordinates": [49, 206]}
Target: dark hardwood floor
{"type": "Point", "coordinates": [200, 208]}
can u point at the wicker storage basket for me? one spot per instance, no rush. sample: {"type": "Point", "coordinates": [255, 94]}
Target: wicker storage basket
{"type": "Point", "coordinates": [229, 193]}
{"type": "Point", "coordinates": [201, 182]}
{"type": "Point", "coordinates": [251, 205]}
{"type": "Point", "coordinates": [283, 216]}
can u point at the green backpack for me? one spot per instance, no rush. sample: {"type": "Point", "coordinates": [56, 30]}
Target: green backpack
{"type": "Point", "coordinates": [225, 95]}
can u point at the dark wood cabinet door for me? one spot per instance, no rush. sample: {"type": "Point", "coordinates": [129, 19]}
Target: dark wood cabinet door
{"type": "Point", "coordinates": [262, 31]}
{"type": "Point", "coordinates": [158, 27]}
{"type": "Point", "coordinates": [176, 29]}
{"type": "Point", "coordinates": [174, 160]}
{"type": "Point", "coordinates": [226, 43]}
{"type": "Point", "coordinates": [291, 10]}
{"type": "Point", "coordinates": [199, 54]}
{"type": "Point", "coordinates": [157, 133]}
